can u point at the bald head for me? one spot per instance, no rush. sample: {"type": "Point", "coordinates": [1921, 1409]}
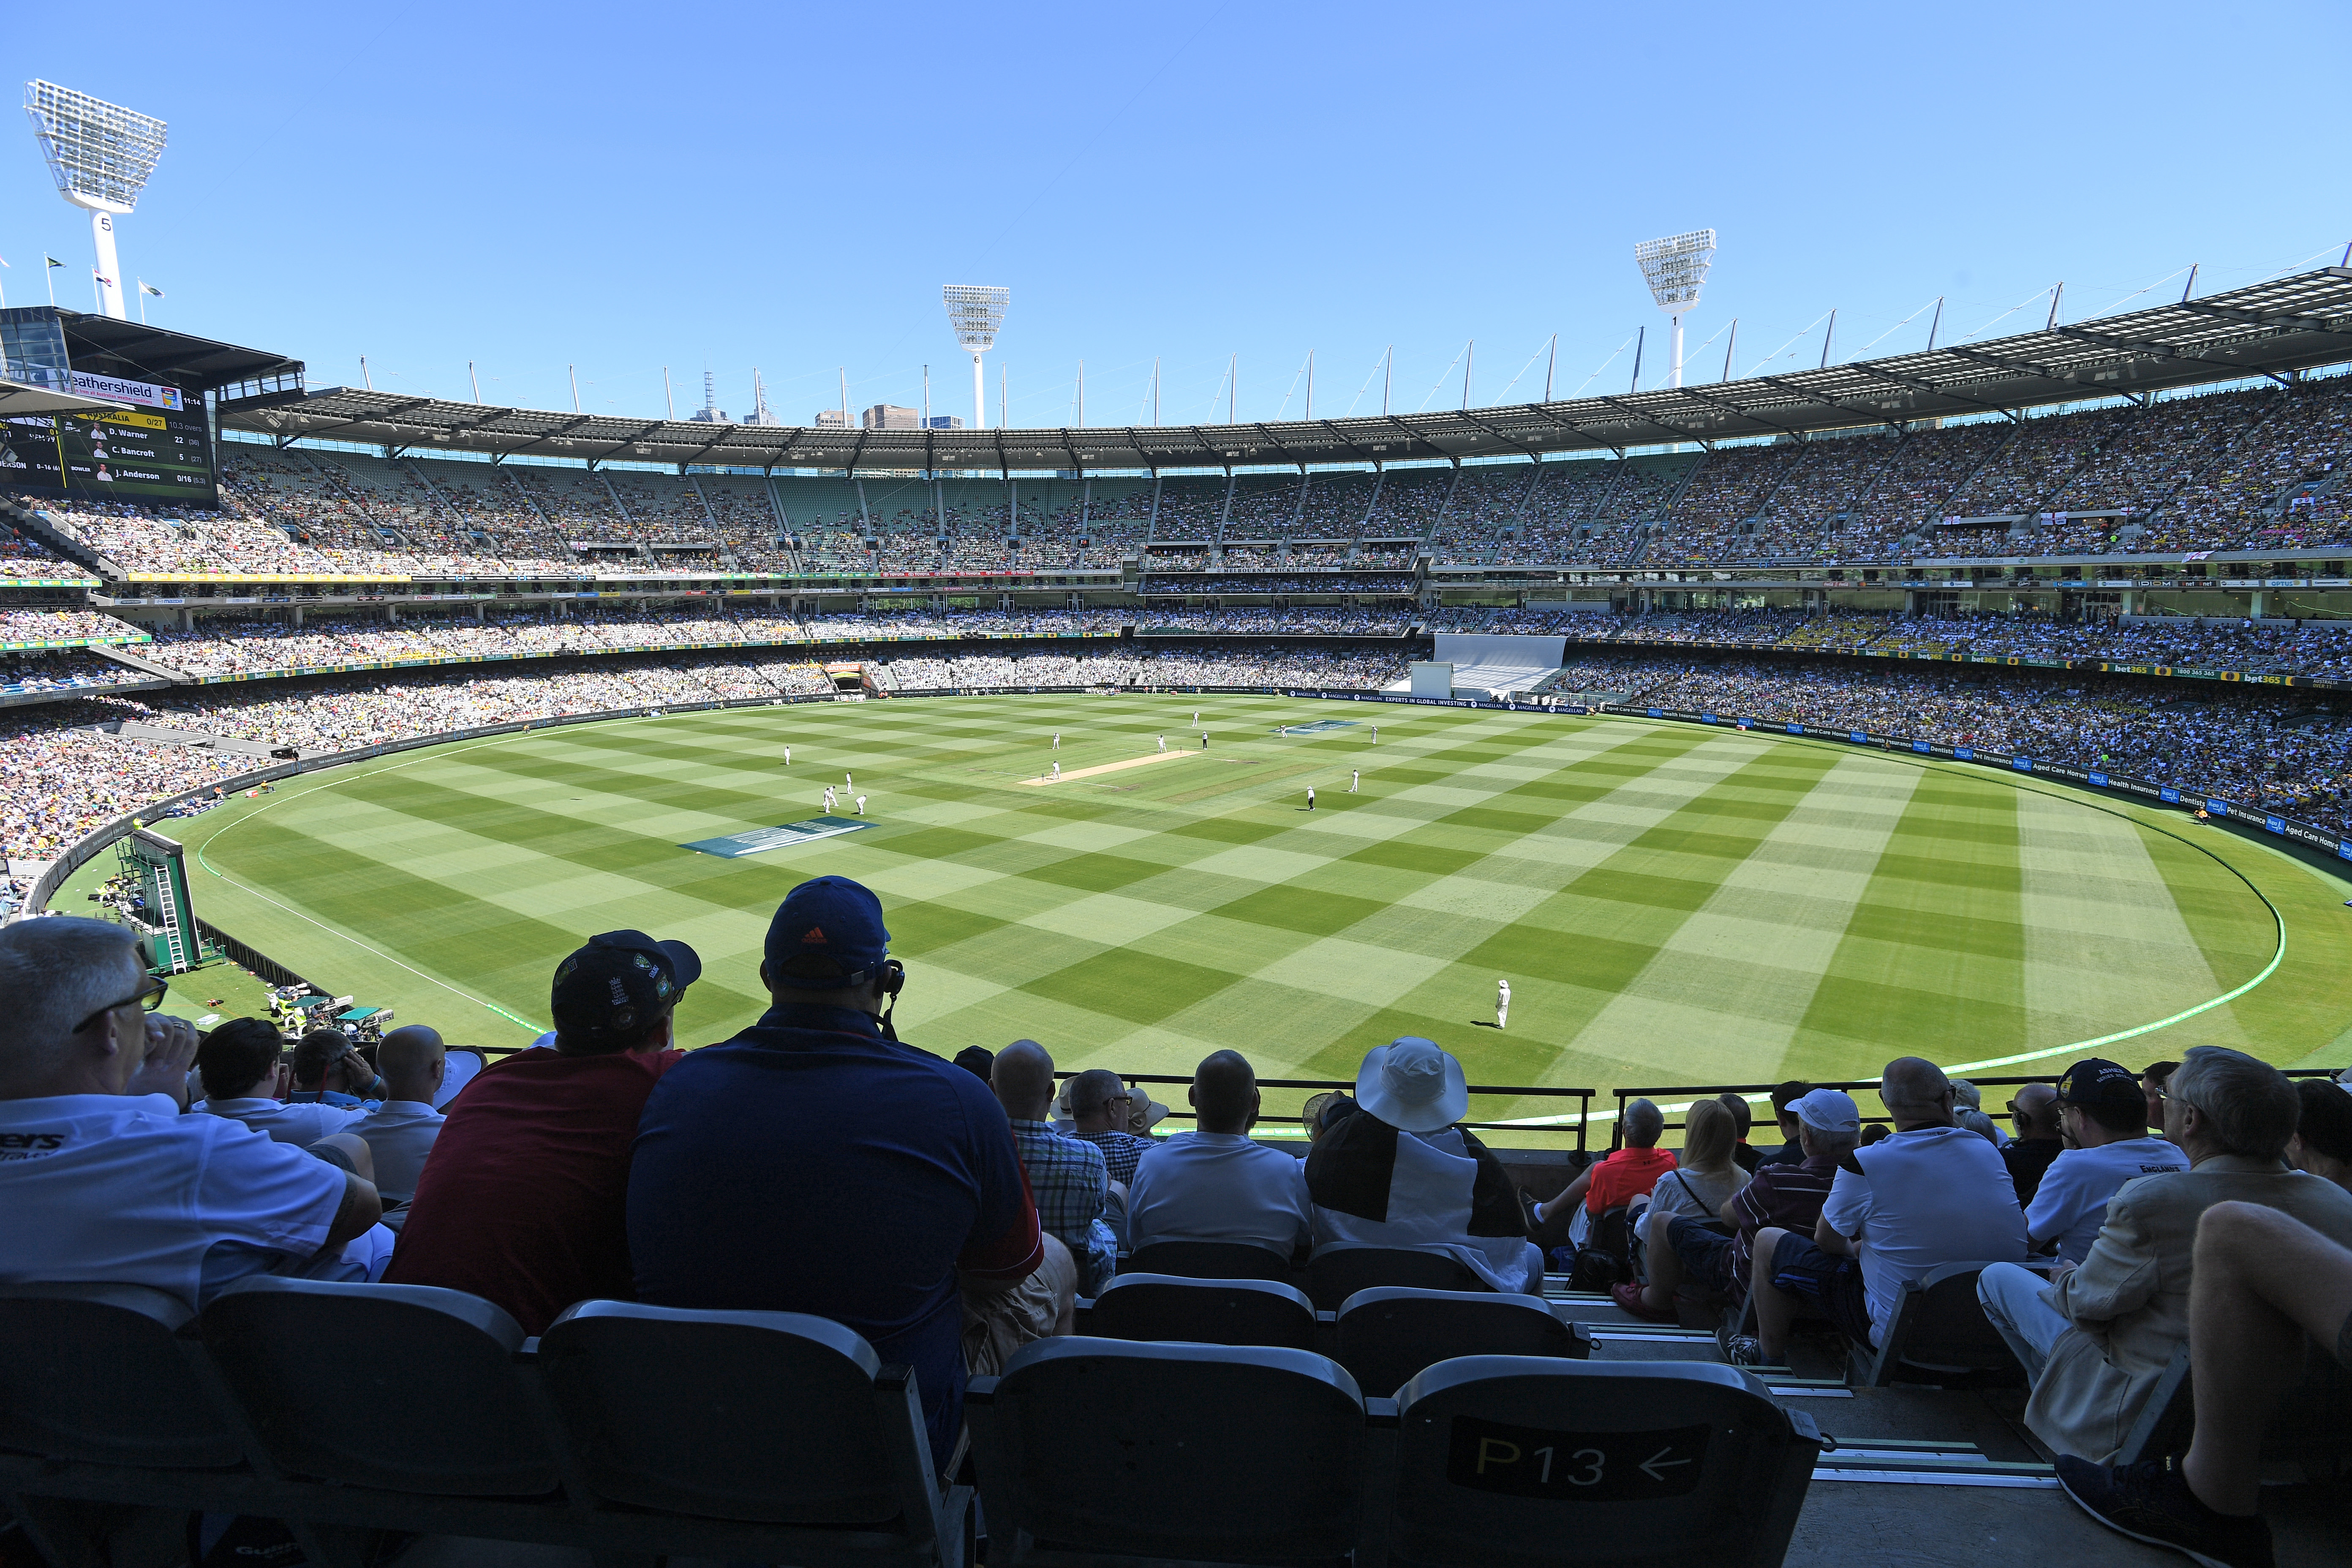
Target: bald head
{"type": "Point", "coordinates": [1916, 1092]}
{"type": "Point", "coordinates": [412, 1059]}
{"type": "Point", "coordinates": [1224, 1093]}
{"type": "Point", "coordinates": [1023, 1076]}
{"type": "Point", "coordinates": [2034, 1111]}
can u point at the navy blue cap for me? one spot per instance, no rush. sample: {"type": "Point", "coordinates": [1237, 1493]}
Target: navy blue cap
{"type": "Point", "coordinates": [616, 985]}
{"type": "Point", "coordinates": [828, 934]}
{"type": "Point", "coordinates": [2095, 1080]}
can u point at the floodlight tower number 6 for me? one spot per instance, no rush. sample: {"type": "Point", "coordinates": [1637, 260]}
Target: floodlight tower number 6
{"type": "Point", "coordinates": [976, 312]}
{"type": "Point", "coordinates": [1676, 269]}
{"type": "Point", "coordinates": [101, 154]}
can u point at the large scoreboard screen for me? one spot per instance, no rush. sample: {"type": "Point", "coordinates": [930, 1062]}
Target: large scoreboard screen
{"type": "Point", "coordinates": [150, 454]}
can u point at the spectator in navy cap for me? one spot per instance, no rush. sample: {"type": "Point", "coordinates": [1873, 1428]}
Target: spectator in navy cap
{"type": "Point", "coordinates": [814, 1165]}
{"type": "Point", "coordinates": [523, 1200]}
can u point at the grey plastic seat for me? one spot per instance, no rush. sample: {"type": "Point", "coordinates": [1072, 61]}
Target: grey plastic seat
{"type": "Point", "coordinates": [1939, 1331]}
{"type": "Point", "coordinates": [2313, 1425]}
{"type": "Point", "coordinates": [1094, 1451]}
{"type": "Point", "coordinates": [1209, 1260]}
{"type": "Point", "coordinates": [1516, 1462]}
{"type": "Point", "coordinates": [777, 1417]}
{"type": "Point", "coordinates": [1385, 1335]}
{"type": "Point", "coordinates": [465, 1065]}
{"type": "Point", "coordinates": [1338, 1270]}
{"type": "Point", "coordinates": [401, 1387]}
{"type": "Point", "coordinates": [98, 1373]}
{"type": "Point", "coordinates": [1210, 1312]}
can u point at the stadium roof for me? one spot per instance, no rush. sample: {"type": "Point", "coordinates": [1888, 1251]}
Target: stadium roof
{"type": "Point", "coordinates": [134, 351]}
{"type": "Point", "coordinates": [2265, 329]}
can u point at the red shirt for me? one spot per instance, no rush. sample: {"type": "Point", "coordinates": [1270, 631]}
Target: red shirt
{"type": "Point", "coordinates": [524, 1198]}
{"type": "Point", "coordinates": [1627, 1174]}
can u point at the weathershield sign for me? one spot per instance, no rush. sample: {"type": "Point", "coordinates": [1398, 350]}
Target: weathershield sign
{"type": "Point", "coordinates": [1575, 1466]}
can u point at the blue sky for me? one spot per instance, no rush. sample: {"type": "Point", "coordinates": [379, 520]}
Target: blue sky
{"type": "Point", "coordinates": [622, 188]}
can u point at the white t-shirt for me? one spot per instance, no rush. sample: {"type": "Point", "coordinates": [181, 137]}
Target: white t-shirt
{"type": "Point", "coordinates": [304, 1122]}
{"type": "Point", "coordinates": [2070, 1203]}
{"type": "Point", "coordinates": [1218, 1186]}
{"type": "Point", "coordinates": [124, 1189]}
{"type": "Point", "coordinates": [400, 1134]}
{"type": "Point", "coordinates": [1928, 1196]}
{"type": "Point", "coordinates": [1685, 1192]}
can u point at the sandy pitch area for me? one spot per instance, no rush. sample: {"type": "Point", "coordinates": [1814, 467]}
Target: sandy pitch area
{"type": "Point", "coordinates": [1144, 761]}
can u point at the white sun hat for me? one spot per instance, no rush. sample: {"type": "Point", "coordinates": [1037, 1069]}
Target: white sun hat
{"type": "Point", "coordinates": [1410, 1084]}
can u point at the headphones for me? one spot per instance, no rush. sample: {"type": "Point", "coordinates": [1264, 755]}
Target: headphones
{"type": "Point", "coordinates": [893, 979]}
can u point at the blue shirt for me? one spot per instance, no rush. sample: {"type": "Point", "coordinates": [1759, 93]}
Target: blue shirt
{"type": "Point", "coordinates": [809, 1165]}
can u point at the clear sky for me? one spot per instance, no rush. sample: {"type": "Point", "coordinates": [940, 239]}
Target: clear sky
{"type": "Point", "coordinates": [624, 188]}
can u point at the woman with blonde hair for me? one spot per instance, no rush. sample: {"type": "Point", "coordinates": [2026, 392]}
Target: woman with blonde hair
{"type": "Point", "coordinates": [1698, 1186]}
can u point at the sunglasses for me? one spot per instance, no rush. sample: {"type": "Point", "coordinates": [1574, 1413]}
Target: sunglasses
{"type": "Point", "coordinates": [149, 999]}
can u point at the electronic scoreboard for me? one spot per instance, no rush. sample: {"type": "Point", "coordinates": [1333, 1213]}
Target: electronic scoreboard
{"type": "Point", "coordinates": [151, 451]}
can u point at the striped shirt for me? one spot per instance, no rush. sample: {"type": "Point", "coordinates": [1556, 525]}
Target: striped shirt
{"type": "Point", "coordinates": [1787, 1196]}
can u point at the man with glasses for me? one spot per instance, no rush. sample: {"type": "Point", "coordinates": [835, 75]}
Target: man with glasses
{"type": "Point", "coordinates": [101, 1176]}
{"type": "Point", "coordinates": [2096, 1340]}
{"type": "Point", "coordinates": [1098, 1105]}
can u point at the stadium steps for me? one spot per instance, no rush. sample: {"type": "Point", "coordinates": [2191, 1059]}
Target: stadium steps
{"type": "Point", "coordinates": [37, 526]}
{"type": "Point", "coordinates": [142, 663]}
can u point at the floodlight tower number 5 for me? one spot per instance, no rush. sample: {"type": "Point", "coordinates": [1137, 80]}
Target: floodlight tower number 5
{"type": "Point", "coordinates": [101, 154]}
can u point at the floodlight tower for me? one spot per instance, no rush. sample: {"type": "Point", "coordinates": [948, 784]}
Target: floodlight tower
{"type": "Point", "coordinates": [976, 312]}
{"type": "Point", "coordinates": [1676, 269]}
{"type": "Point", "coordinates": [101, 154]}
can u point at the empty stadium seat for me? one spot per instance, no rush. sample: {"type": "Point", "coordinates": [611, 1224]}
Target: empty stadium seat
{"type": "Point", "coordinates": [466, 1064]}
{"type": "Point", "coordinates": [1211, 1311]}
{"type": "Point", "coordinates": [403, 1387]}
{"type": "Point", "coordinates": [1096, 1451]}
{"type": "Point", "coordinates": [2313, 1425]}
{"type": "Point", "coordinates": [1209, 1260]}
{"type": "Point", "coordinates": [1384, 1335]}
{"type": "Point", "coordinates": [1938, 1328]}
{"type": "Point", "coordinates": [779, 1417]}
{"type": "Point", "coordinates": [96, 1372]}
{"type": "Point", "coordinates": [1518, 1462]}
{"type": "Point", "coordinates": [1338, 1270]}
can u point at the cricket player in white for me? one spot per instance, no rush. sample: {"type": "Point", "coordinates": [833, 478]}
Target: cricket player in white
{"type": "Point", "coordinates": [788, 756]}
{"type": "Point", "coordinates": [847, 780]}
{"type": "Point", "coordinates": [828, 800]}
{"type": "Point", "coordinates": [1196, 717]}
{"type": "Point", "coordinates": [1310, 797]}
{"type": "Point", "coordinates": [1503, 1004]}
{"type": "Point", "coordinates": [1376, 734]}
{"type": "Point", "coordinates": [1163, 743]}
{"type": "Point", "coordinates": [1057, 739]}
{"type": "Point", "coordinates": [1355, 778]}
{"type": "Point", "coordinates": [1057, 772]}
{"type": "Point", "coordinates": [861, 805]}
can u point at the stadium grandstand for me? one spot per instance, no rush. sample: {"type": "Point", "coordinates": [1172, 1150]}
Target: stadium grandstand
{"type": "Point", "coordinates": [2109, 564]}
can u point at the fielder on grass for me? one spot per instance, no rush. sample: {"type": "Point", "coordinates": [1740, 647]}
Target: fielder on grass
{"type": "Point", "coordinates": [1163, 743]}
{"type": "Point", "coordinates": [861, 805]}
{"type": "Point", "coordinates": [1502, 1004]}
{"type": "Point", "coordinates": [1310, 797]}
{"type": "Point", "coordinates": [1355, 778]}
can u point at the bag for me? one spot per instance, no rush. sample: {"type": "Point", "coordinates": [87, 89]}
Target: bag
{"type": "Point", "coordinates": [1606, 1258]}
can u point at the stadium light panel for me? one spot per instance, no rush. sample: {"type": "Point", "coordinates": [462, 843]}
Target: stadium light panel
{"type": "Point", "coordinates": [101, 155]}
{"type": "Point", "coordinates": [976, 312]}
{"type": "Point", "coordinates": [1676, 269]}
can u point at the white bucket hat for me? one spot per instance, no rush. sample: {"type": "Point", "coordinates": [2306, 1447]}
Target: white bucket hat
{"type": "Point", "coordinates": [1410, 1084]}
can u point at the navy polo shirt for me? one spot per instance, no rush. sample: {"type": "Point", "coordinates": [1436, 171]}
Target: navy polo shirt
{"type": "Point", "coordinates": [809, 1165]}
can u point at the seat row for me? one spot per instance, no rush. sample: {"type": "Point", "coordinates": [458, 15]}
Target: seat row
{"type": "Point", "coordinates": [355, 1412]}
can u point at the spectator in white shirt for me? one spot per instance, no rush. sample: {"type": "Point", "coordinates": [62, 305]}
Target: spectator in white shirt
{"type": "Point", "coordinates": [102, 1178]}
{"type": "Point", "coordinates": [238, 1063]}
{"type": "Point", "coordinates": [1930, 1193]}
{"type": "Point", "coordinates": [400, 1133]}
{"type": "Point", "coordinates": [2099, 1111]}
{"type": "Point", "coordinates": [1213, 1184]}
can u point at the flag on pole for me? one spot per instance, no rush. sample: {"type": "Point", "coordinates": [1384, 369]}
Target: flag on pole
{"type": "Point", "coordinates": [147, 288]}
{"type": "Point", "coordinates": [52, 260]}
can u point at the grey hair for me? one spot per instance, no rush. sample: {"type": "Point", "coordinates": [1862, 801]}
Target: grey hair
{"type": "Point", "coordinates": [2252, 1106]}
{"type": "Point", "coordinates": [1968, 1094]}
{"type": "Point", "coordinates": [55, 972]}
{"type": "Point", "coordinates": [1978, 1122]}
{"type": "Point", "coordinates": [1644, 1123]}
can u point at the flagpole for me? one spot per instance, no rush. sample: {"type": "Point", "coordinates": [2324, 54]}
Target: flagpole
{"type": "Point", "coordinates": [143, 301]}
{"type": "Point", "coordinates": [48, 276]}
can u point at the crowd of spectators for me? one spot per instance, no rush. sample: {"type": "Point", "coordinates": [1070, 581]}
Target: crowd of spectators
{"type": "Point", "coordinates": [24, 560]}
{"type": "Point", "coordinates": [966, 1213]}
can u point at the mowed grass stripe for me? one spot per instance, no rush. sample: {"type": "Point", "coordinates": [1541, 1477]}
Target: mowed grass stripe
{"type": "Point", "coordinates": [2106, 943]}
{"type": "Point", "coordinates": [1893, 987]}
{"type": "Point", "coordinates": [1734, 983]}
